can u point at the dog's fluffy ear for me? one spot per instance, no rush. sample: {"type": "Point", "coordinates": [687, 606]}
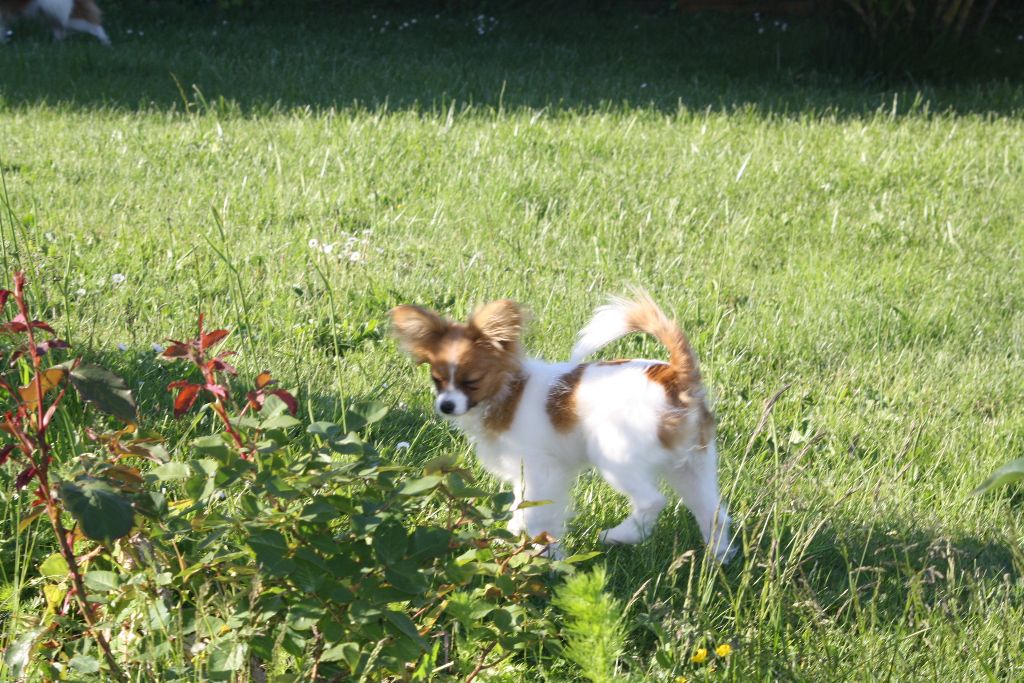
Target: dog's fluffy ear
{"type": "Point", "coordinates": [417, 330]}
{"type": "Point", "coordinates": [499, 323]}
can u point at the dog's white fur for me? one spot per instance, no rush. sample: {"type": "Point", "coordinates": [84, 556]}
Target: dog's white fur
{"type": "Point", "coordinates": [619, 411]}
{"type": "Point", "coordinates": [57, 13]}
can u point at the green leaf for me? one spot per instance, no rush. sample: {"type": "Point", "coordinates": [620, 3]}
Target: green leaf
{"type": "Point", "coordinates": [415, 487]}
{"type": "Point", "coordinates": [101, 581]}
{"type": "Point", "coordinates": [272, 407]}
{"type": "Point", "coordinates": [101, 512]}
{"type": "Point", "coordinates": [582, 557]}
{"type": "Point", "coordinates": [406, 578]}
{"type": "Point", "coordinates": [106, 391]}
{"type": "Point", "coordinates": [54, 567]}
{"type": "Point", "coordinates": [279, 422]}
{"type": "Point", "coordinates": [365, 413]}
{"type": "Point", "coordinates": [347, 651]}
{"type": "Point", "coordinates": [19, 653]}
{"type": "Point", "coordinates": [405, 626]}
{"type": "Point", "coordinates": [84, 664]}
{"type": "Point", "coordinates": [271, 549]}
{"type": "Point", "coordinates": [1008, 473]}
{"type": "Point", "coordinates": [325, 430]}
{"type": "Point", "coordinates": [213, 444]}
{"type": "Point", "coordinates": [170, 470]}
{"type": "Point", "coordinates": [226, 657]}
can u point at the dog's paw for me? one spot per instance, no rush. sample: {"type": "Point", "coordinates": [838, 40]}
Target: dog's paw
{"type": "Point", "coordinates": [621, 535]}
{"type": "Point", "coordinates": [725, 551]}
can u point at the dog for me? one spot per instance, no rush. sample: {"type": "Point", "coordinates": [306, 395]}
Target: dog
{"type": "Point", "coordinates": [62, 15]}
{"type": "Point", "coordinates": [537, 425]}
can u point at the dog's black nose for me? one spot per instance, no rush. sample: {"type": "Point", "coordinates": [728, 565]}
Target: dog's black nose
{"type": "Point", "coordinates": [447, 407]}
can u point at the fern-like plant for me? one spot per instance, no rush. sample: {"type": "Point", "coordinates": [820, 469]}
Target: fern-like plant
{"type": "Point", "coordinates": [593, 625]}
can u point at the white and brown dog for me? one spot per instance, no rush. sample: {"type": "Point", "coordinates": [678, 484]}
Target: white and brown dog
{"type": "Point", "coordinates": [62, 15]}
{"type": "Point", "coordinates": [536, 425]}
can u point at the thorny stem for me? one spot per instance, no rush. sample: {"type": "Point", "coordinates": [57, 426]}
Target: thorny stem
{"type": "Point", "coordinates": [42, 475]}
{"type": "Point", "coordinates": [218, 407]}
{"type": "Point", "coordinates": [480, 666]}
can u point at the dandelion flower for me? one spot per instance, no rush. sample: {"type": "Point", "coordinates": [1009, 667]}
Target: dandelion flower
{"type": "Point", "coordinates": [314, 243]}
{"type": "Point", "coordinates": [723, 650]}
{"type": "Point", "coordinates": [700, 655]}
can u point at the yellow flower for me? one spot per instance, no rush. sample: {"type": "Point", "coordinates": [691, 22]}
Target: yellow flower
{"type": "Point", "coordinates": [700, 655]}
{"type": "Point", "coordinates": [682, 679]}
{"type": "Point", "coordinates": [723, 650]}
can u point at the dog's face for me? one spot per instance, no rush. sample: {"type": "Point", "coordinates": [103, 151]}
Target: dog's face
{"type": "Point", "coordinates": [469, 362]}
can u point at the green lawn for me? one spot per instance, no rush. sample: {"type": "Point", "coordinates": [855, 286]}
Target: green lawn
{"type": "Point", "coordinates": [857, 244]}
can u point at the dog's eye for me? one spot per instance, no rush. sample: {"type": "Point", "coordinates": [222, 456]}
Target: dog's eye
{"type": "Point", "coordinates": [471, 383]}
{"type": "Point", "coordinates": [437, 379]}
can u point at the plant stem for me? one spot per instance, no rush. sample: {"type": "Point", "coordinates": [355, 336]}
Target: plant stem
{"type": "Point", "coordinates": [42, 475]}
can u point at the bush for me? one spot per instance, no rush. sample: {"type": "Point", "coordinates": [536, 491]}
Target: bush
{"type": "Point", "coordinates": [937, 19]}
{"type": "Point", "coordinates": [267, 546]}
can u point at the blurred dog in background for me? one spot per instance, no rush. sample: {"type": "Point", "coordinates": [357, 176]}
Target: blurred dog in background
{"type": "Point", "coordinates": [62, 15]}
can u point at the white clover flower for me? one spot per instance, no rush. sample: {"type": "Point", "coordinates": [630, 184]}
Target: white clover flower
{"type": "Point", "coordinates": [159, 348]}
{"type": "Point", "coordinates": [314, 243]}
{"type": "Point", "coordinates": [327, 249]}
{"type": "Point", "coordinates": [80, 291]}
{"type": "Point", "coordinates": [402, 446]}
{"type": "Point", "coordinates": [122, 347]}
{"type": "Point", "coordinates": [118, 278]}
{"type": "Point", "coordinates": [355, 257]}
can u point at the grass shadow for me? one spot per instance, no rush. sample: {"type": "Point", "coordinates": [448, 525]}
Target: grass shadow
{"type": "Point", "coordinates": [247, 62]}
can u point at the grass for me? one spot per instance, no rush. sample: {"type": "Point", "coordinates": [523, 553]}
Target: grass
{"type": "Point", "coordinates": [856, 244]}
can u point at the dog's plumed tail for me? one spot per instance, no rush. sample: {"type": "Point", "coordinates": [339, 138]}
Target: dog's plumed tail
{"type": "Point", "coordinates": [639, 314]}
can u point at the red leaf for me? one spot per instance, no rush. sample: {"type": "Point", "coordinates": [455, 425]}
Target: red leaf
{"type": "Point", "coordinates": [5, 453]}
{"type": "Point", "coordinates": [211, 338]}
{"type": "Point", "coordinates": [289, 400]}
{"type": "Point", "coordinates": [4, 294]}
{"type": "Point", "coordinates": [186, 399]}
{"type": "Point", "coordinates": [263, 379]}
{"type": "Point", "coordinates": [177, 349]}
{"type": "Point", "coordinates": [49, 345]}
{"type": "Point", "coordinates": [256, 399]}
{"type": "Point", "coordinates": [220, 366]}
{"type": "Point", "coordinates": [25, 477]}
{"type": "Point", "coordinates": [217, 390]}
{"type": "Point", "coordinates": [48, 416]}
{"type": "Point", "coordinates": [177, 384]}
{"type": "Point", "coordinates": [20, 324]}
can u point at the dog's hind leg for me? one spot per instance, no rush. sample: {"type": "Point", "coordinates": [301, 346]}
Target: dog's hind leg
{"type": "Point", "coordinates": [92, 29]}
{"type": "Point", "coordinates": [695, 478]}
{"type": "Point", "coordinates": [633, 477]}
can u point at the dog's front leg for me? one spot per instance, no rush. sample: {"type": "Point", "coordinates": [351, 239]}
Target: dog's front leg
{"type": "Point", "coordinates": [541, 503]}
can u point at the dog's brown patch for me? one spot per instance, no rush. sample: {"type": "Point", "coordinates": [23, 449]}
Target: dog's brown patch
{"type": "Point", "coordinates": [683, 397]}
{"type": "Point", "coordinates": [13, 7]}
{"type": "Point", "coordinates": [617, 361]}
{"type": "Point", "coordinates": [502, 411]}
{"type": "Point", "coordinates": [86, 10]}
{"type": "Point", "coordinates": [561, 402]}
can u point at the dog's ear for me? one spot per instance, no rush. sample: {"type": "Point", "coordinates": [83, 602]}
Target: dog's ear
{"type": "Point", "coordinates": [417, 330]}
{"type": "Point", "coordinates": [499, 323]}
